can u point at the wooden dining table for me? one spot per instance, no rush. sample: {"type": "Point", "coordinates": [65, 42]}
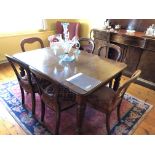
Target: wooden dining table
{"type": "Point", "coordinates": [48, 61]}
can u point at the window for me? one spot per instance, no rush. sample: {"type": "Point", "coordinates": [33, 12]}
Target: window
{"type": "Point", "coordinates": [20, 25]}
{"type": "Point", "coordinates": [97, 23]}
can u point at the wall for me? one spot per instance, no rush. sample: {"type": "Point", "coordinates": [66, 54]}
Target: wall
{"type": "Point", "coordinates": [10, 44]}
{"type": "Point", "coordinates": [85, 27]}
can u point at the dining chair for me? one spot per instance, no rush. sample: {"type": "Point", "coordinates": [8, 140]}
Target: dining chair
{"type": "Point", "coordinates": [100, 38]}
{"type": "Point", "coordinates": [30, 41]}
{"type": "Point", "coordinates": [54, 96]}
{"type": "Point", "coordinates": [106, 99]}
{"type": "Point", "coordinates": [26, 82]}
{"type": "Point", "coordinates": [111, 51]}
{"type": "Point", "coordinates": [87, 44]}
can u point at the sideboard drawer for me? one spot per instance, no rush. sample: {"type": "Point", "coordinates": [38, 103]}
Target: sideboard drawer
{"type": "Point", "coordinates": [128, 40]}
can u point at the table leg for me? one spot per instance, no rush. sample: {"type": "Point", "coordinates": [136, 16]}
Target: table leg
{"type": "Point", "coordinates": [117, 81]}
{"type": "Point", "coordinates": [22, 72]}
{"type": "Point", "coordinates": [80, 112]}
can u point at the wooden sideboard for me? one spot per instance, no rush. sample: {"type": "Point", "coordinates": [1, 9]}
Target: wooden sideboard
{"type": "Point", "coordinates": [137, 51]}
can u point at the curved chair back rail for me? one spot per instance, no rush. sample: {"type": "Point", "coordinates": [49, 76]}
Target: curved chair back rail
{"type": "Point", "coordinates": [30, 41]}
{"type": "Point", "coordinates": [46, 82]}
{"type": "Point", "coordinates": [112, 52]}
{"type": "Point", "coordinates": [15, 63]}
{"type": "Point", "coordinates": [116, 50]}
{"type": "Point", "coordinates": [87, 44]}
{"type": "Point", "coordinates": [26, 81]}
{"type": "Point", "coordinates": [122, 89]}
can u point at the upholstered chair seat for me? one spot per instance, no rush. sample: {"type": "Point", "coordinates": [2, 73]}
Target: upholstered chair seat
{"type": "Point", "coordinates": [102, 99]}
{"type": "Point", "coordinates": [87, 48]}
{"type": "Point", "coordinates": [24, 82]}
{"type": "Point", "coordinates": [66, 98]}
{"type": "Point", "coordinates": [87, 44]}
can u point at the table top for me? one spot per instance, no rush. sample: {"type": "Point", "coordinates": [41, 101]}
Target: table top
{"type": "Point", "coordinates": [47, 61]}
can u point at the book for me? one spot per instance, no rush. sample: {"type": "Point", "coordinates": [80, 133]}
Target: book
{"type": "Point", "coordinates": [83, 81]}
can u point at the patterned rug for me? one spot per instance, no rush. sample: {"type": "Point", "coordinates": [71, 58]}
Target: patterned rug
{"type": "Point", "coordinates": [133, 112]}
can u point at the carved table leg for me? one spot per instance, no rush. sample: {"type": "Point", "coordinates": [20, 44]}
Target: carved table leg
{"type": "Point", "coordinates": [80, 112]}
{"type": "Point", "coordinates": [117, 81]}
{"type": "Point", "coordinates": [22, 72]}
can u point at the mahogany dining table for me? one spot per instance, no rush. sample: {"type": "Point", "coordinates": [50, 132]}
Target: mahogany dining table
{"type": "Point", "coordinates": [48, 62]}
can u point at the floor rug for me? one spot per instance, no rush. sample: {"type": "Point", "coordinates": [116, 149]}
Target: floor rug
{"type": "Point", "coordinates": [133, 112]}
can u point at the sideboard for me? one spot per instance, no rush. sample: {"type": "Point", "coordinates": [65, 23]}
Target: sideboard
{"type": "Point", "coordinates": [137, 51]}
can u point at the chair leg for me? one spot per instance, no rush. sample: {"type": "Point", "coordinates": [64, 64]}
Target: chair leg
{"type": "Point", "coordinates": [42, 111]}
{"type": "Point", "coordinates": [57, 122]}
{"type": "Point", "coordinates": [108, 123]}
{"type": "Point", "coordinates": [23, 96]}
{"type": "Point", "coordinates": [110, 84]}
{"type": "Point", "coordinates": [118, 113]}
{"type": "Point", "coordinates": [33, 103]}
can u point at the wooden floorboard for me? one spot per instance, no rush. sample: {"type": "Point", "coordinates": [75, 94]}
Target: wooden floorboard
{"type": "Point", "coordinates": [147, 127]}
